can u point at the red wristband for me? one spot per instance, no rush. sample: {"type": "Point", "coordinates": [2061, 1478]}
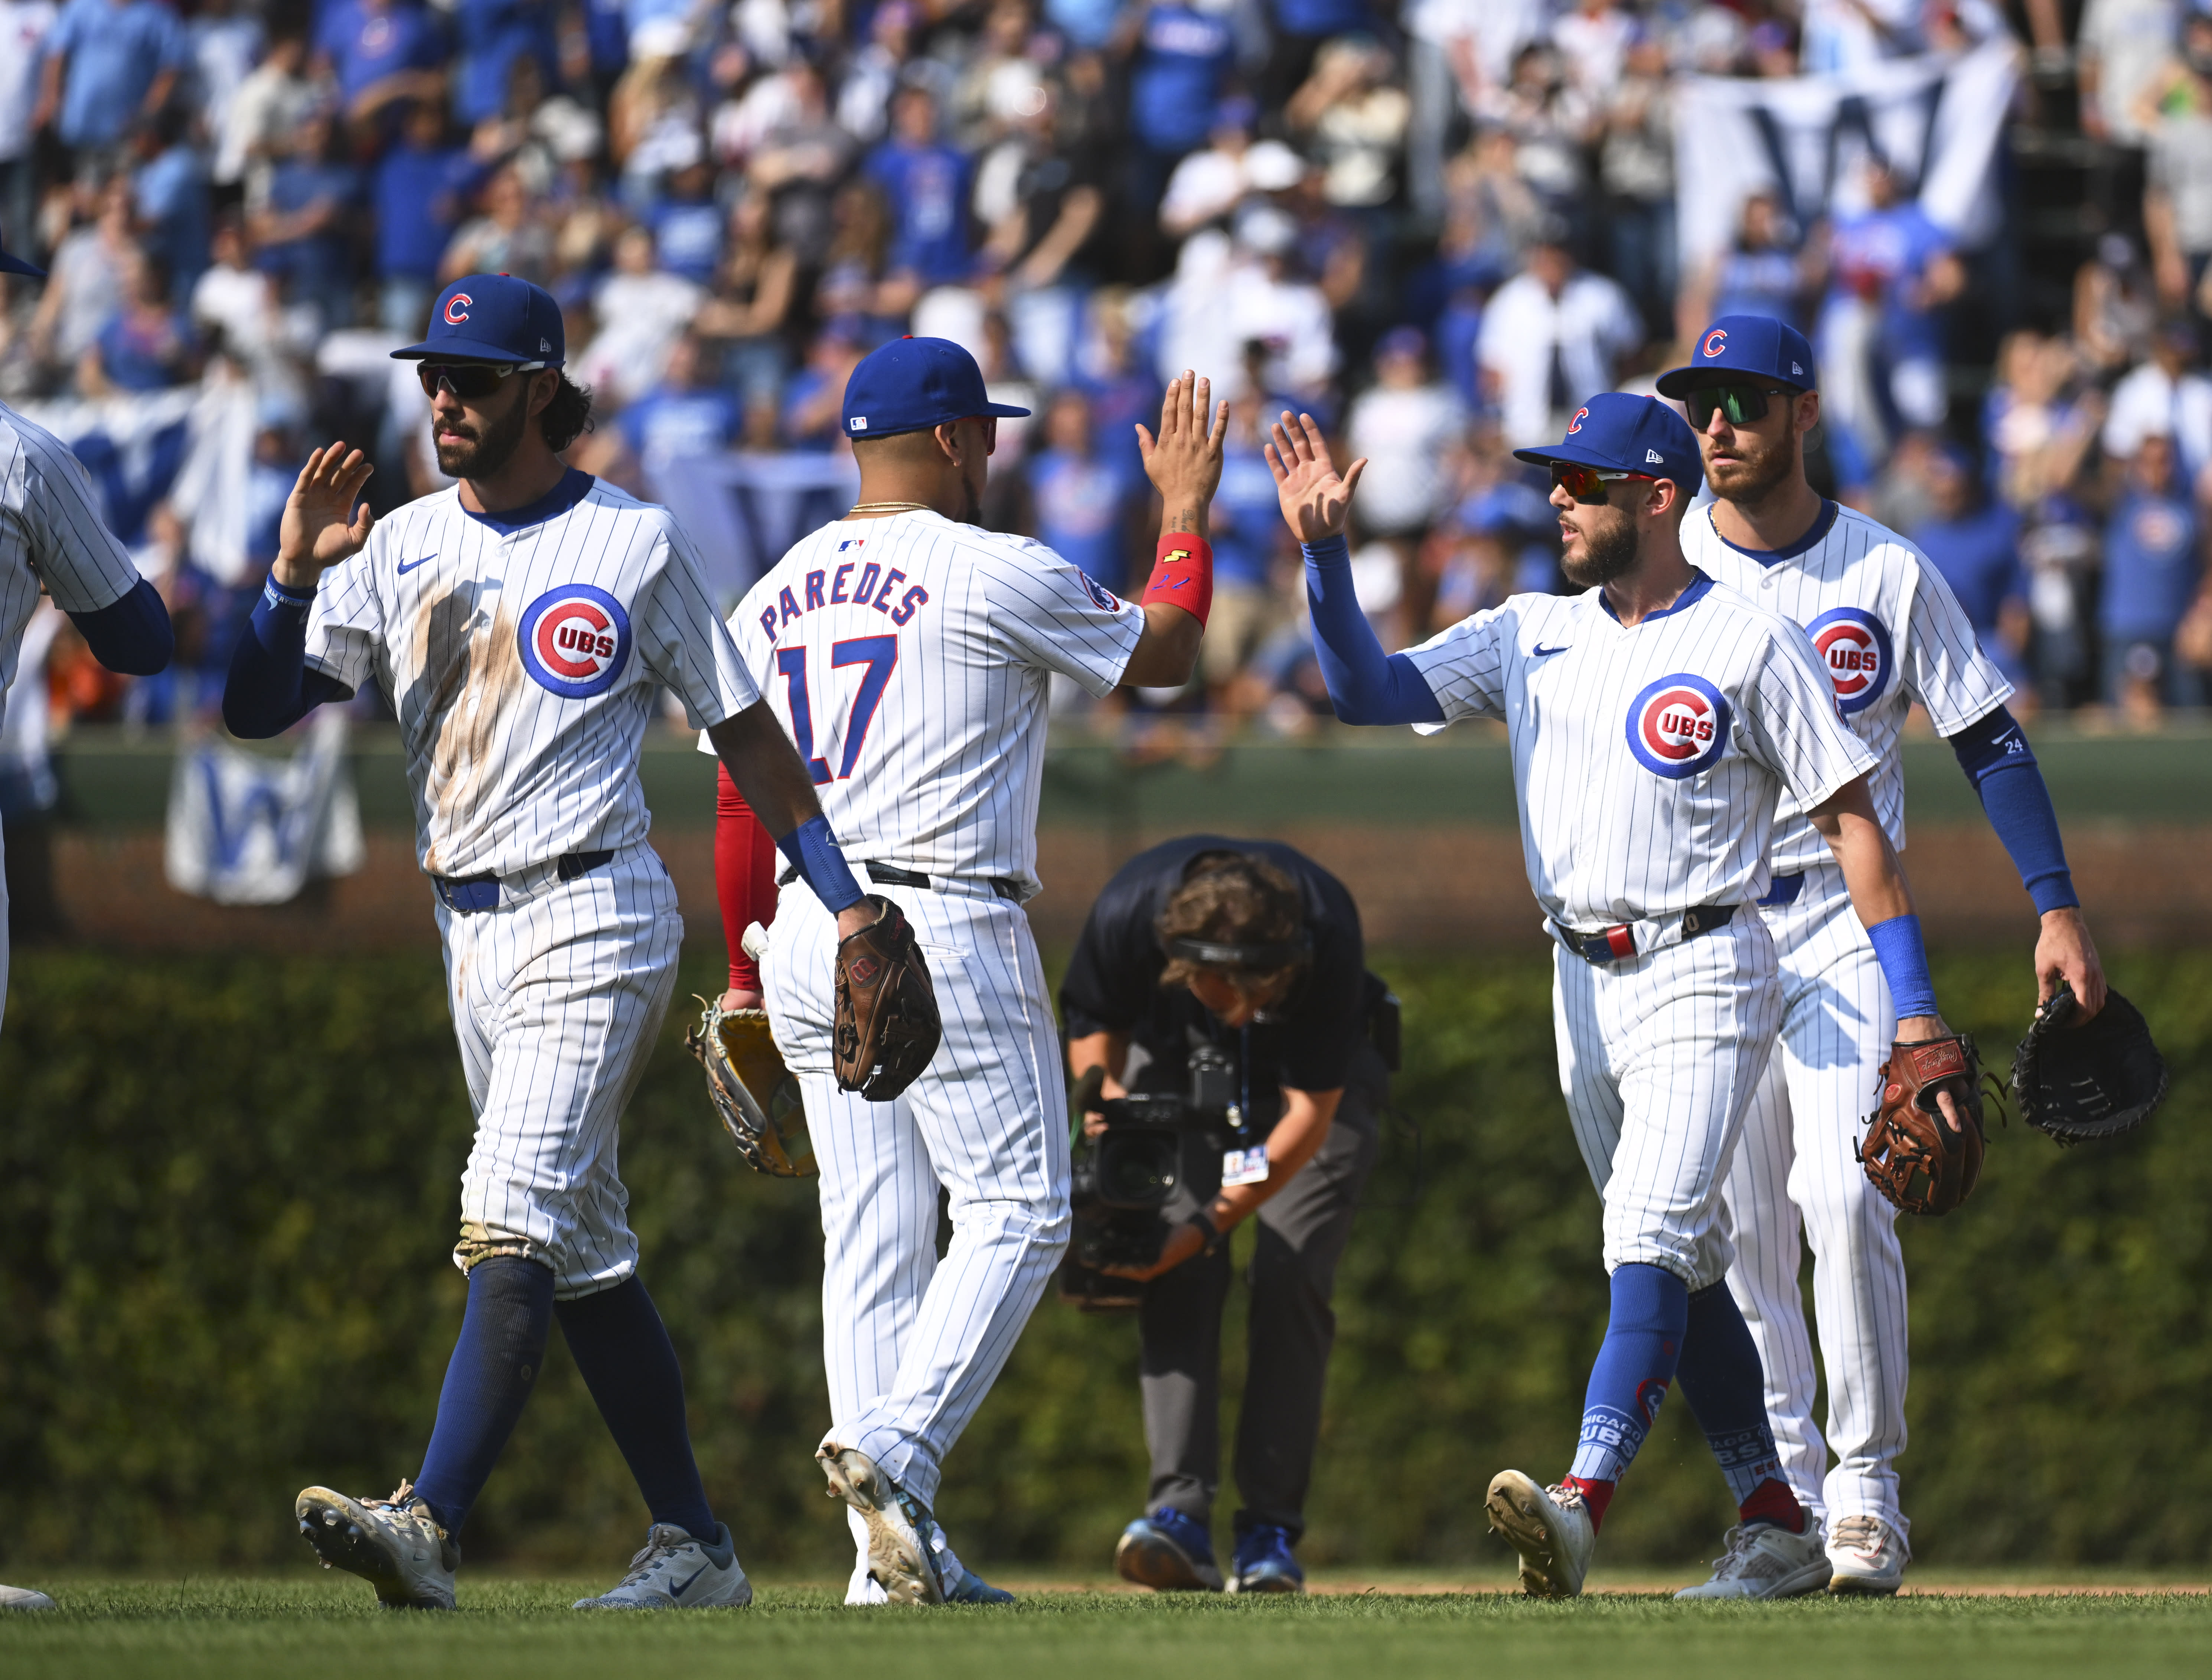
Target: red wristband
{"type": "Point", "coordinates": [1183, 575]}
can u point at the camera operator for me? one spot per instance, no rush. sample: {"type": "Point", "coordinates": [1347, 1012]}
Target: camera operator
{"type": "Point", "coordinates": [1246, 955]}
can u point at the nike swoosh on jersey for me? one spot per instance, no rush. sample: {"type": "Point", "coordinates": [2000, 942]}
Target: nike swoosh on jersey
{"type": "Point", "coordinates": [1539, 651]}
{"type": "Point", "coordinates": [407, 566]}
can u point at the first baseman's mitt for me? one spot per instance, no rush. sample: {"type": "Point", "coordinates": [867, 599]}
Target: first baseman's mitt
{"type": "Point", "coordinates": [2097, 1080]}
{"type": "Point", "coordinates": [1915, 1156]}
{"type": "Point", "coordinates": [757, 1098]}
{"type": "Point", "coordinates": [888, 1026]}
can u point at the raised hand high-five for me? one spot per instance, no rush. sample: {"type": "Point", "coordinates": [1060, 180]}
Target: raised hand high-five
{"type": "Point", "coordinates": [1316, 500]}
{"type": "Point", "coordinates": [322, 524]}
{"type": "Point", "coordinates": [1184, 461]}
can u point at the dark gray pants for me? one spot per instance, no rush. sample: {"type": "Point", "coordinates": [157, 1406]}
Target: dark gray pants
{"type": "Point", "coordinates": [1292, 1328]}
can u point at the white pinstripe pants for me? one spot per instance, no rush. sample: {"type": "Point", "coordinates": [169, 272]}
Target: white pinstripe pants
{"type": "Point", "coordinates": [913, 1344]}
{"type": "Point", "coordinates": [1798, 1162]}
{"type": "Point", "coordinates": [558, 994]}
{"type": "Point", "coordinates": [1659, 1056]}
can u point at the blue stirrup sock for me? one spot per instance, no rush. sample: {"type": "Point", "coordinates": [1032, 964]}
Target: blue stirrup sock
{"type": "Point", "coordinates": [494, 1365]}
{"type": "Point", "coordinates": [1642, 1340]}
{"type": "Point", "coordinates": [630, 1365]}
{"type": "Point", "coordinates": [1725, 1387]}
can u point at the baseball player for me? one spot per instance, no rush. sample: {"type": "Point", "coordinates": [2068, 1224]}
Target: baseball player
{"type": "Point", "coordinates": [52, 541]}
{"type": "Point", "coordinates": [909, 654]}
{"type": "Point", "coordinates": [1890, 632]}
{"type": "Point", "coordinates": [521, 624]}
{"type": "Point", "coordinates": [1656, 721]}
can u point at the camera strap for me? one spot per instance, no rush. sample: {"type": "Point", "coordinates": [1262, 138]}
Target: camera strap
{"type": "Point", "coordinates": [1244, 1162]}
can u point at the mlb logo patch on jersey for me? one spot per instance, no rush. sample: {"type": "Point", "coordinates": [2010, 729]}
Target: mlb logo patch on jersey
{"type": "Point", "coordinates": [1854, 646]}
{"type": "Point", "coordinates": [1679, 726]}
{"type": "Point", "coordinates": [575, 641]}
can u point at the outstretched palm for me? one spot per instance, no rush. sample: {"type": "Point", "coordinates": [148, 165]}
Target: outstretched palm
{"type": "Point", "coordinates": [1314, 498]}
{"type": "Point", "coordinates": [322, 524]}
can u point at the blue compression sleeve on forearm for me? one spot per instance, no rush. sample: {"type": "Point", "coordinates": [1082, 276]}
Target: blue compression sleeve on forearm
{"type": "Point", "coordinates": [1903, 959]}
{"type": "Point", "coordinates": [813, 851]}
{"type": "Point", "coordinates": [1997, 759]}
{"type": "Point", "coordinates": [1365, 684]}
{"type": "Point", "coordinates": [131, 634]}
{"type": "Point", "coordinates": [270, 687]}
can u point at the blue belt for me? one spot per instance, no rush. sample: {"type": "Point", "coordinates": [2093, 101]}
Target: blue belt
{"type": "Point", "coordinates": [470, 893]}
{"type": "Point", "coordinates": [1783, 890]}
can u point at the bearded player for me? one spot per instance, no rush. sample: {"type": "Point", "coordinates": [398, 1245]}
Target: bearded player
{"type": "Point", "coordinates": [1890, 633]}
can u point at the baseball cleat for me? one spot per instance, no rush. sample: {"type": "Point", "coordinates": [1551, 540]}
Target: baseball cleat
{"type": "Point", "coordinates": [673, 1571]}
{"type": "Point", "coordinates": [1169, 1552]}
{"type": "Point", "coordinates": [899, 1558]}
{"type": "Point", "coordinates": [394, 1544]}
{"type": "Point", "coordinates": [1549, 1527]}
{"type": "Point", "coordinates": [1762, 1560]}
{"type": "Point", "coordinates": [1263, 1562]}
{"type": "Point", "coordinates": [23, 1598]}
{"type": "Point", "coordinates": [1866, 1555]}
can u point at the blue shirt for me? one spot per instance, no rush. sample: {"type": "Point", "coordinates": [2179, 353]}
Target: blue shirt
{"type": "Point", "coordinates": [174, 200]}
{"type": "Point", "coordinates": [1757, 282]}
{"type": "Point", "coordinates": [1886, 252]}
{"type": "Point", "coordinates": [145, 358]}
{"type": "Point", "coordinates": [1081, 510]}
{"type": "Point", "coordinates": [1183, 59]}
{"type": "Point", "coordinates": [1087, 24]}
{"type": "Point", "coordinates": [2150, 566]}
{"type": "Point", "coordinates": [114, 54]}
{"type": "Point", "coordinates": [494, 34]}
{"type": "Point", "coordinates": [364, 46]}
{"type": "Point", "coordinates": [668, 422]}
{"type": "Point", "coordinates": [293, 185]}
{"type": "Point", "coordinates": [1248, 518]}
{"type": "Point", "coordinates": [418, 203]}
{"type": "Point", "coordinates": [687, 234]}
{"type": "Point", "coordinates": [1979, 555]}
{"type": "Point", "coordinates": [925, 188]}
{"type": "Point", "coordinates": [1322, 17]}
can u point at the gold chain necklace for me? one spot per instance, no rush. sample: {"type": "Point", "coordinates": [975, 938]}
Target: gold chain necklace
{"type": "Point", "coordinates": [887, 507]}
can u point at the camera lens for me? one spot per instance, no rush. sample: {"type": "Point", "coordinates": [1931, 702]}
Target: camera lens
{"type": "Point", "coordinates": [1137, 1170]}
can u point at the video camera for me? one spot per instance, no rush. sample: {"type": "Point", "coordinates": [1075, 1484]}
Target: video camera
{"type": "Point", "coordinates": [1124, 1175]}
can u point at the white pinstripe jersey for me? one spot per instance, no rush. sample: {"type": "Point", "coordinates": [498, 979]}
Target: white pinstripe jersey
{"type": "Point", "coordinates": [51, 531]}
{"type": "Point", "coordinates": [911, 658]}
{"type": "Point", "coordinates": [1889, 630]}
{"type": "Point", "coordinates": [521, 652]}
{"type": "Point", "coordinates": [1649, 761]}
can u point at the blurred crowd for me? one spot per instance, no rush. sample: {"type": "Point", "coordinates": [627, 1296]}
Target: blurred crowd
{"type": "Point", "coordinates": [1437, 225]}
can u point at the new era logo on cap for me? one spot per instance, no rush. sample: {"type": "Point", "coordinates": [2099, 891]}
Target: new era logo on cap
{"type": "Point", "coordinates": [1653, 458]}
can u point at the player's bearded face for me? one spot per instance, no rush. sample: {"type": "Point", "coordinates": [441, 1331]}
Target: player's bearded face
{"type": "Point", "coordinates": [1600, 544]}
{"type": "Point", "coordinates": [1745, 463]}
{"type": "Point", "coordinates": [475, 440]}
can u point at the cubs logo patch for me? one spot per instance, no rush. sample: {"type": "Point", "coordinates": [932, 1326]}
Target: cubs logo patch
{"type": "Point", "coordinates": [1716, 342]}
{"type": "Point", "coordinates": [1854, 647]}
{"type": "Point", "coordinates": [1576, 424]}
{"type": "Point", "coordinates": [575, 641]}
{"type": "Point", "coordinates": [1108, 601]}
{"type": "Point", "coordinates": [455, 311]}
{"type": "Point", "coordinates": [1678, 727]}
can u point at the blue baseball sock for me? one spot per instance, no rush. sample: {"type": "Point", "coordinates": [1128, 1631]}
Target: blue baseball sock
{"type": "Point", "coordinates": [1642, 1340]}
{"type": "Point", "coordinates": [494, 1365]}
{"type": "Point", "coordinates": [630, 1365]}
{"type": "Point", "coordinates": [1725, 1387]}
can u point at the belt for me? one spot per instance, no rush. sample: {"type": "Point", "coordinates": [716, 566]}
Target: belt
{"type": "Point", "coordinates": [469, 893]}
{"type": "Point", "coordinates": [886, 874]}
{"type": "Point", "coordinates": [1611, 944]}
{"type": "Point", "coordinates": [1783, 889]}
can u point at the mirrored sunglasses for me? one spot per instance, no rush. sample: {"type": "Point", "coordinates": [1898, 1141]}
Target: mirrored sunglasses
{"type": "Point", "coordinates": [471, 381]}
{"type": "Point", "coordinates": [1587, 483]}
{"type": "Point", "coordinates": [1741, 404]}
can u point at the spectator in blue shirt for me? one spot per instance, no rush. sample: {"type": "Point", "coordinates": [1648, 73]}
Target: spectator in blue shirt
{"type": "Point", "coordinates": [494, 34]}
{"type": "Point", "coordinates": [684, 415]}
{"type": "Point", "coordinates": [1186, 51]}
{"type": "Point", "coordinates": [380, 52]}
{"type": "Point", "coordinates": [1975, 544]}
{"type": "Point", "coordinates": [688, 225]}
{"type": "Point", "coordinates": [926, 183]}
{"type": "Point", "coordinates": [1895, 262]}
{"type": "Point", "coordinates": [171, 199]}
{"type": "Point", "coordinates": [1085, 500]}
{"type": "Point", "coordinates": [303, 232]}
{"type": "Point", "coordinates": [109, 63]}
{"type": "Point", "coordinates": [422, 187]}
{"type": "Point", "coordinates": [148, 345]}
{"type": "Point", "coordinates": [2153, 567]}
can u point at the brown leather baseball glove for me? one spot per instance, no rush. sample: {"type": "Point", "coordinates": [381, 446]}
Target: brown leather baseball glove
{"type": "Point", "coordinates": [1914, 1155]}
{"type": "Point", "coordinates": [754, 1094]}
{"type": "Point", "coordinates": [887, 1026]}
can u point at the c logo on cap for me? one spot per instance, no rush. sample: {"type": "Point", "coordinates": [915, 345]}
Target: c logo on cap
{"type": "Point", "coordinates": [1576, 424]}
{"type": "Point", "coordinates": [454, 313]}
{"type": "Point", "coordinates": [1716, 342]}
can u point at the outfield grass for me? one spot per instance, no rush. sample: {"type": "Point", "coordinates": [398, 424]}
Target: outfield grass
{"type": "Point", "coordinates": [524, 1629]}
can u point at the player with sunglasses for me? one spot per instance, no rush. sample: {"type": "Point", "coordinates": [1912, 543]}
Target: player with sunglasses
{"type": "Point", "coordinates": [1889, 632]}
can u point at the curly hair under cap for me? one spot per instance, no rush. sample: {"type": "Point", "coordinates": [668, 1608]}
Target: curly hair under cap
{"type": "Point", "coordinates": [1234, 898]}
{"type": "Point", "coordinates": [568, 417]}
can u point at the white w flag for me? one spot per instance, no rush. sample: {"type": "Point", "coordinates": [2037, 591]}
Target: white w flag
{"type": "Point", "coordinates": [247, 830]}
{"type": "Point", "coordinates": [1935, 120]}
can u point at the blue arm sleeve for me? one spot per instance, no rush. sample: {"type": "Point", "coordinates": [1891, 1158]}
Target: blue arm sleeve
{"type": "Point", "coordinates": [1365, 684]}
{"type": "Point", "coordinates": [270, 687]}
{"type": "Point", "coordinates": [132, 634]}
{"type": "Point", "coordinates": [813, 851]}
{"type": "Point", "coordinates": [1998, 761]}
{"type": "Point", "coordinates": [1903, 958]}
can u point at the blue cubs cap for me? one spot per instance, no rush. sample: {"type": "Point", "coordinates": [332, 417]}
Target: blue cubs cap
{"type": "Point", "coordinates": [9, 265]}
{"type": "Point", "coordinates": [494, 317]}
{"type": "Point", "coordinates": [911, 385]}
{"type": "Point", "coordinates": [1755, 344]}
{"type": "Point", "coordinates": [1618, 433]}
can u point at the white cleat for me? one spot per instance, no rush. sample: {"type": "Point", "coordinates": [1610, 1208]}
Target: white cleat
{"type": "Point", "coordinates": [1867, 1556]}
{"type": "Point", "coordinates": [1549, 1527]}
{"type": "Point", "coordinates": [394, 1544]}
{"type": "Point", "coordinates": [899, 1558]}
{"type": "Point", "coordinates": [1765, 1562]}
{"type": "Point", "coordinates": [23, 1598]}
{"type": "Point", "coordinates": [673, 1571]}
